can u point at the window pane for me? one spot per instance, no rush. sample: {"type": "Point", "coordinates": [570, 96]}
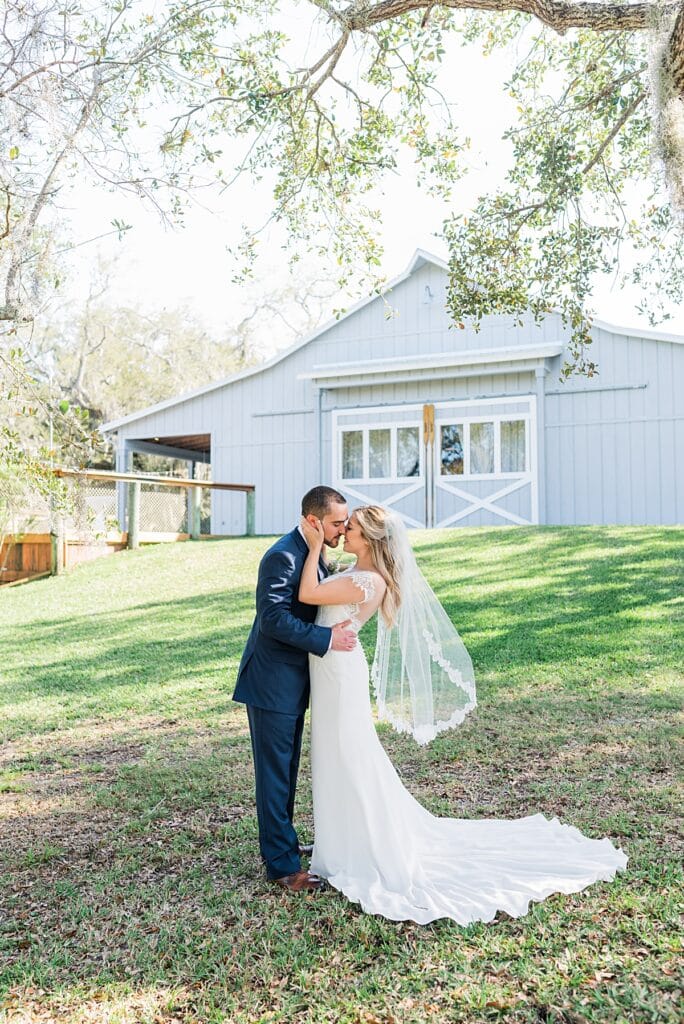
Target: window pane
{"type": "Point", "coordinates": [408, 451]}
{"type": "Point", "coordinates": [451, 450]}
{"type": "Point", "coordinates": [513, 446]}
{"type": "Point", "coordinates": [481, 447]}
{"type": "Point", "coordinates": [352, 454]}
{"type": "Point", "coordinates": [379, 453]}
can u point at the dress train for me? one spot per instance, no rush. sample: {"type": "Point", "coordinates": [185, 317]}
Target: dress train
{"type": "Point", "coordinates": [375, 843]}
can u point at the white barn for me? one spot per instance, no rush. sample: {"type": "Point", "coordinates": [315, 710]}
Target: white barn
{"type": "Point", "coordinates": [451, 427]}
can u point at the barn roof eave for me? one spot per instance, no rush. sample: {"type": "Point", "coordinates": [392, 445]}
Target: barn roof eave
{"type": "Point", "coordinates": [345, 374]}
{"type": "Point", "coordinates": [638, 332]}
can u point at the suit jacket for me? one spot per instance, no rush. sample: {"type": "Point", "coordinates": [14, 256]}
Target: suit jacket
{"type": "Point", "coordinates": [274, 671]}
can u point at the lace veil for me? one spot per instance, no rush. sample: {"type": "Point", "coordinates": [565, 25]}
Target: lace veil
{"type": "Point", "coordinates": [422, 673]}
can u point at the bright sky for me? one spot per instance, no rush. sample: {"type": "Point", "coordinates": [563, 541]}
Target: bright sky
{"type": "Point", "coordinates": [158, 267]}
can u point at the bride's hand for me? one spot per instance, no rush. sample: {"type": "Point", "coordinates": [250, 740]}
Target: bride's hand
{"type": "Point", "coordinates": [313, 535]}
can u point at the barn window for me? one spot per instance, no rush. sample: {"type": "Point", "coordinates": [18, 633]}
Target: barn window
{"type": "Point", "coordinates": [481, 447]}
{"type": "Point", "coordinates": [452, 449]}
{"type": "Point", "coordinates": [352, 454]}
{"type": "Point", "coordinates": [513, 446]}
{"type": "Point", "coordinates": [408, 451]}
{"type": "Point", "coordinates": [380, 453]}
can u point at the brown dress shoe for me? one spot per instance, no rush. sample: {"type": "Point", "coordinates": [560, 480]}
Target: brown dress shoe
{"type": "Point", "coordinates": [300, 881]}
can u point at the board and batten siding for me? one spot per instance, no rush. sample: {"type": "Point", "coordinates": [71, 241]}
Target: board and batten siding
{"type": "Point", "coordinates": [615, 443]}
{"type": "Point", "coordinates": [277, 442]}
{"type": "Point", "coordinates": [264, 428]}
{"type": "Point", "coordinates": [612, 445]}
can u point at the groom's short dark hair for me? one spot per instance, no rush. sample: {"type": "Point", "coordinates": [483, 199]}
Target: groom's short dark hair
{"type": "Point", "coordinates": [318, 500]}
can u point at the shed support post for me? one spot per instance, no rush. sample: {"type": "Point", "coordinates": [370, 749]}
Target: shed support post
{"type": "Point", "coordinates": [319, 432]}
{"type": "Point", "coordinates": [540, 468]}
{"type": "Point", "coordinates": [134, 514]}
{"type": "Point", "coordinates": [57, 547]}
{"type": "Point", "coordinates": [250, 513]}
{"type": "Point", "coordinates": [194, 518]}
{"type": "Point", "coordinates": [124, 459]}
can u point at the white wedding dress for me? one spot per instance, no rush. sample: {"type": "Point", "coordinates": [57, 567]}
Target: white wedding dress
{"type": "Point", "coordinates": [375, 843]}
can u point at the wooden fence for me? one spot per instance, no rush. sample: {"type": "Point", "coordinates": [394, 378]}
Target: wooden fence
{"type": "Point", "coordinates": [31, 555]}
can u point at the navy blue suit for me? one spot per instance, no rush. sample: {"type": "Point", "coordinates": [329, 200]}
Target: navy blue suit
{"type": "Point", "coordinates": [273, 681]}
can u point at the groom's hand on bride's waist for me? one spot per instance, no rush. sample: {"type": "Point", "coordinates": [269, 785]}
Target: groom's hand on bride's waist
{"type": "Point", "coordinates": [343, 637]}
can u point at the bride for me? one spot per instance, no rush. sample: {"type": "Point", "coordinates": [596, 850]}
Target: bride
{"type": "Point", "coordinates": [373, 841]}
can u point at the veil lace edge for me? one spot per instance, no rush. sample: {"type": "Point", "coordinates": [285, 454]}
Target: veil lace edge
{"type": "Point", "coordinates": [422, 734]}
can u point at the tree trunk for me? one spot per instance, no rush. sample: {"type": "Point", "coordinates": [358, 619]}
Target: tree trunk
{"type": "Point", "coordinates": [675, 55]}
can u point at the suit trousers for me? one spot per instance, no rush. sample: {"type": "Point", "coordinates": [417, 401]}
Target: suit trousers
{"type": "Point", "coordinates": [276, 746]}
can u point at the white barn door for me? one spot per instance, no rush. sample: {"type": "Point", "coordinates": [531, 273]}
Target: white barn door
{"type": "Point", "coordinates": [482, 469]}
{"type": "Point", "coordinates": [452, 463]}
{"type": "Point", "coordinates": [379, 457]}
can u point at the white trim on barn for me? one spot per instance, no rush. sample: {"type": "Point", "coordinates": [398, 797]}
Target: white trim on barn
{"type": "Point", "coordinates": [501, 360]}
{"type": "Point", "coordinates": [420, 258]}
{"type": "Point", "coordinates": [638, 332]}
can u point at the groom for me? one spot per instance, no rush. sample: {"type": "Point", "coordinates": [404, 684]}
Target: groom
{"type": "Point", "coordinates": [273, 681]}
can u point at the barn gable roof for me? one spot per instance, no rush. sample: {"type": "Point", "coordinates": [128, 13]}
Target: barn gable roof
{"type": "Point", "coordinates": [419, 259]}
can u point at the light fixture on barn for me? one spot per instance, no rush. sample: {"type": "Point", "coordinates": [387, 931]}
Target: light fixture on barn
{"type": "Point", "coordinates": [428, 295]}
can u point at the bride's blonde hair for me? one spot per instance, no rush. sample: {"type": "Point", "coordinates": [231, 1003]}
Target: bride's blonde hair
{"type": "Point", "coordinates": [372, 520]}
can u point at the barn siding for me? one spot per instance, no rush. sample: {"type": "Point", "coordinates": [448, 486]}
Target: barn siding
{"type": "Point", "coordinates": [621, 428]}
{"type": "Point", "coordinates": [614, 443]}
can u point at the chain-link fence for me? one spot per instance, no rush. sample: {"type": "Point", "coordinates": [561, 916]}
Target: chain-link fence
{"type": "Point", "coordinates": [101, 502]}
{"type": "Point", "coordinates": [163, 509]}
{"type": "Point", "coordinates": [93, 508]}
{"type": "Point", "coordinates": [32, 515]}
{"type": "Point", "coordinates": [98, 506]}
{"type": "Point", "coordinates": [89, 508]}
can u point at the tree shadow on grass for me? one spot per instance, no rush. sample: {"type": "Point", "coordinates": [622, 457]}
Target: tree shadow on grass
{"type": "Point", "coordinates": [520, 553]}
{"type": "Point", "coordinates": [148, 875]}
{"type": "Point", "coordinates": [553, 601]}
{"type": "Point", "coordinates": [150, 647]}
{"type": "Point", "coordinates": [149, 878]}
{"type": "Point", "coordinates": [582, 619]}
{"type": "Point", "coordinates": [145, 873]}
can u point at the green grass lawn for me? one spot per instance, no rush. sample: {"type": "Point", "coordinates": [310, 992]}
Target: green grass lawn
{"type": "Point", "coordinates": [130, 884]}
